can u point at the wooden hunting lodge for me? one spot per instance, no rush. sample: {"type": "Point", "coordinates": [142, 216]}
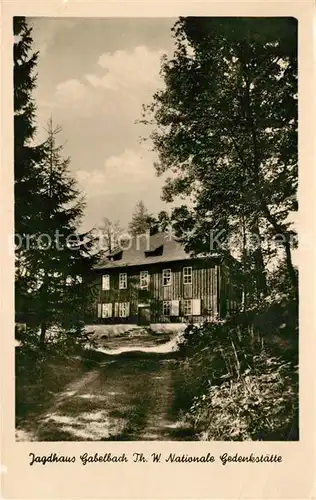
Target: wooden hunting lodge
{"type": "Point", "coordinates": [152, 279]}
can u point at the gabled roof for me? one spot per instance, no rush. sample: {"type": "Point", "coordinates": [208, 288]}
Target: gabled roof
{"type": "Point", "coordinates": [146, 249]}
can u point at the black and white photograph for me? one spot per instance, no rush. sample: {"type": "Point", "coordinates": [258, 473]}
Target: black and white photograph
{"type": "Point", "coordinates": [155, 225]}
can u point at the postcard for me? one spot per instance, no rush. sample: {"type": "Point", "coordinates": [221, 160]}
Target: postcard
{"type": "Point", "coordinates": [157, 260]}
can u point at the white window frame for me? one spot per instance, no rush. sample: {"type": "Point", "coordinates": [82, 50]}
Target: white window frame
{"type": "Point", "coordinates": [122, 281]}
{"type": "Point", "coordinates": [187, 275]}
{"type": "Point", "coordinates": [123, 309]}
{"type": "Point", "coordinates": [166, 275]}
{"type": "Point", "coordinates": [105, 282]}
{"type": "Point", "coordinates": [144, 280]}
{"type": "Point", "coordinates": [106, 311]}
{"type": "Point", "coordinates": [166, 304]}
{"type": "Point", "coordinates": [187, 302]}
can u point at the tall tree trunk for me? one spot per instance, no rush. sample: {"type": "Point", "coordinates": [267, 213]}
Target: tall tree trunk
{"type": "Point", "coordinates": [43, 310]}
{"type": "Point", "coordinates": [43, 335]}
{"type": "Point", "coordinates": [261, 280]}
{"type": "Point", "coordinates": [256, 162]}
{"type": "Point", "coordinates": [279, 230]}
{"type": "Point", "coordinates": [290, 269]}
{"type": "Point", "coordinates": [244, 262]}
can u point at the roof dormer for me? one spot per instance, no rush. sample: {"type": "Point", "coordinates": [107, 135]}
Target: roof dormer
{"type": "Point", "coordinates": [115, 255]}
{"type": "Point", "coordinates": [154, 252]}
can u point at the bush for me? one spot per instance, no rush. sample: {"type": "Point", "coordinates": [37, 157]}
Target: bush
{"type": "Point", "coordinates": [239, 382]}
{"type": "Point", "coordinates": [57, 339]}
{"type": "Point", "coordinates": [261, 405]}
{"type": "Point", "coordinates": [41, 373]}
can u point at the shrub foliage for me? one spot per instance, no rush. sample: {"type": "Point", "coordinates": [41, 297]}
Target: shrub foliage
{"type": "Point", "coordinates": [238, 384]}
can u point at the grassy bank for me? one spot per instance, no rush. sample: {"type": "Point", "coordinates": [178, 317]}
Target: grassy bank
{"type": "Point", "coordinates": [41, 374]}
{"type": "Point", "coordinates": [239, 382]}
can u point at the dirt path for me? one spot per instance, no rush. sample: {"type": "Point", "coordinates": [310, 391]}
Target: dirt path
{"type": "Point", "coordinates": [125, 397]}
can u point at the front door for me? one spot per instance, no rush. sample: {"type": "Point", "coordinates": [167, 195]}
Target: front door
{"type": "Point", "coordinates": [144, 315]}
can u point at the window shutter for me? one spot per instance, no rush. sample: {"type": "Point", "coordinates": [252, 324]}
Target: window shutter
{"type": "Point", "coordinates": [104, 310]}
{"type": "Point", "coordinates": [116, 309]}
{"type": "Point", "coordinates": [174, 308]}
{"type": "Point", "coordinates": [106, 282]}
{"type": "Point", "coordinates": [196, 307]}
{"type": "Point", "coordinates": [99, 310]}
{"type": "Point", "coordinates": [127, 308]}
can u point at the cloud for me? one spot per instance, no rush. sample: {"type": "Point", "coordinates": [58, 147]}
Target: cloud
{"type": "Point", "coordinates": [130, 79]}
{"type": "Point", "coordinates": [121, 174]}
{"type": "Point", "coordinates": [73, 98]}
{"type": "Point", "coordinates": [128, 69]}
{"type": "Point", "coordinates": [71, 90]}
{"type": "Point", "coordinates": [114, 189]}
{"type": "Point", "coordinates": [94, 81]}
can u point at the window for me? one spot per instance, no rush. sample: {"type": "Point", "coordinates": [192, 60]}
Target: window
{"type": "Point", "coordinates": [122, 281]}
{"type": "Point", "coordinates": [166, 277]}
{"type": "Point", "coordinates": [106, 310]}
{"type": "Point", "coordinates": [187, 308]}
{"type": "Point", "coordinates": [144, 280]}
{"type": "Point", "coordinates": [124, 309]}
{"type": "Point", "coordinates": [166, 307]}
{"type": "Point", "coordinates": [187, 275]}
{"type": "Point", "coordinates": [106, 282]}
{"type": "Point", "coordinates": [170, 307]}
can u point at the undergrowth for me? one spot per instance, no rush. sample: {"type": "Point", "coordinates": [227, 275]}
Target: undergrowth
{"type": "Point", "coordinates": [40, 374]}
{"type": "Point", "coordinates": [239, 382]}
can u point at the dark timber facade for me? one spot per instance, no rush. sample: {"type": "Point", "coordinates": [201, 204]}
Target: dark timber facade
{"type": "Point", "coordinates": [155, 281]}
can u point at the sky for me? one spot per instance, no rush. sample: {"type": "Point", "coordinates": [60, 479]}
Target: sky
{"type": "Point", "coordinates": [94, 75]}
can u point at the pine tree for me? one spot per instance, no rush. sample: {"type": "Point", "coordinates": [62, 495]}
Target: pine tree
{"type": "Point", "coordinates": [52, 260]}
{"type": "Point", "coordinates": [142, 220]}
{"type": "Point", "coordinates": [27, 156]}
{"type": "Point", "coordinates": [60, 257]}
